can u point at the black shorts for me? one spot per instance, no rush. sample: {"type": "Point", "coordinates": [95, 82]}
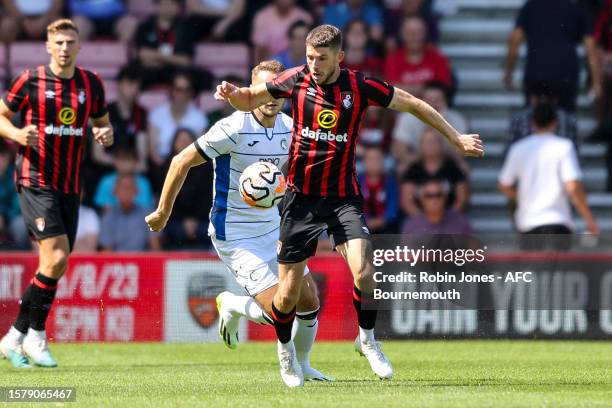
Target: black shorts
{"type": "Point", "coordinates": [304, 218]}
{"type": "Point", "coordinates": [49, 213]}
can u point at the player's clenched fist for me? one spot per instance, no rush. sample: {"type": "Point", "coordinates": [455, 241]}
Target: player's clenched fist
{"type": "Point", "coordinates": [156, 220]}
{"type": "Point", "coordinates": [471, 145]}
{"type": "Point", "coordinates": [225, 90]}
{"type": "Point", "coordinates": [28, 136]}
{"type": "Point", "coordinates": [103, 135]}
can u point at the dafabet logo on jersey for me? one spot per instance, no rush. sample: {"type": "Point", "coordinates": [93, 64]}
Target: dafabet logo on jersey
{"type": "Point", "coordinates": [327, 119]}
{"type": "Point", "coordinates": [67, 117]}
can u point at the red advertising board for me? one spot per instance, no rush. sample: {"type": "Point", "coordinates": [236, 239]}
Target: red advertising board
{"type": "Point", "coordinates": [100, 298]}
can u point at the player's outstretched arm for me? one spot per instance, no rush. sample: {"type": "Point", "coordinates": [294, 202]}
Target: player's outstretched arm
{"type": "Point", "coordinates": [179, 167]}
{"type": "Point", "coordinates": [27, 136]}
{"type": "Point", "coordinates": [467, 145]}
{"type": "Point", "coordinates": [244, 99]}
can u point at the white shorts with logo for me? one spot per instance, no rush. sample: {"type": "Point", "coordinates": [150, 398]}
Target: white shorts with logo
{"type": "Point", "coordinates": [252, 261]}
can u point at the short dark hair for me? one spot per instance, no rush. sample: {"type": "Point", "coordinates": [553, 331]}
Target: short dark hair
{"type": "Point", "coordinates": [125, 152]}
{"type": "Point", "coordinates": [440, 86]}
{"type": "Point", "coordinates": [131, 72]}
{"type": "Point", "coordinates": [544, 114]}
{"type": "Point", "coordinates": [326, 35]}
{"type": "Point", "coordinates": [295, 26]}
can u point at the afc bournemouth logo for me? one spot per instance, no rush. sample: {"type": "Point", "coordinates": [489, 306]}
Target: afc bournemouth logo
{"type": "Point", "coordinates": [40, 224]}
{"type": "Point", "coordinates": [67, 116]}
{"type": "Point", "coordinates": [201, 297]}
{"type": "Point", "coordinates": [347, 99]}
{"type": "Point", "coordinates": [327, 119]}
{"type": "Point", "coordinates": [82, 97]}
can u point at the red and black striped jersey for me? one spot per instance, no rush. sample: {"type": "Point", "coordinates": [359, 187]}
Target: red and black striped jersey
{"type": "Point", "coordinates": [60, 108]}
{"type": "Point", "coordinates": [326, 122]}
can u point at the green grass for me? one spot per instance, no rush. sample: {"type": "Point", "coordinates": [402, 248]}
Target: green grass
{"type": "Point", "coordinates": [428, 373]}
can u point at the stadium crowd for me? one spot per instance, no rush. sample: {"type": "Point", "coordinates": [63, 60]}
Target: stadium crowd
{"type": "Point", "coordinates": [159, 102]}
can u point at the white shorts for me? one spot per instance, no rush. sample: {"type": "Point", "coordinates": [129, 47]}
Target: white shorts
{"type": "Point", "coordinates": [252, 261]}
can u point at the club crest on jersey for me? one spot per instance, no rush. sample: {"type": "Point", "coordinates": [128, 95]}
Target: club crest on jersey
{"type": "Point", "coordinates": [82, 97]}
{"type": "Point", "coordinates": [284, 144]}
{"type": "Point", "coordinates": [201, 292]}
{"type": "Point", "coordinates": [40, 224]}
{"type": "Point", "coordinates": [347, 99]}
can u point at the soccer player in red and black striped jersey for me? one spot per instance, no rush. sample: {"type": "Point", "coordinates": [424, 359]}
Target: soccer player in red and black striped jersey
{"type": "Point", "coordinates": [328, 104]}
{"type": "Point", "coordinates": [56, 102]}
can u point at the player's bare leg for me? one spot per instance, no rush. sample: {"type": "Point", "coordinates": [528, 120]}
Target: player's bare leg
{"type": "Point", "coordinates": [358, 255]}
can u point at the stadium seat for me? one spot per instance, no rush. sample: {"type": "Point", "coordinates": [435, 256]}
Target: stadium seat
{"type": "Point", "coordinates": [224, 59]}
{"type": "Point", "coordinates": [207, 102]}
{"type": "Point", "coordinates": [105, 58]}
{"type": "Point", "coordinates": [23, 55]}
{"type": "Point", "coordinates": [141, 8]}
{"type": "Point", "coordinates": [153, 98]}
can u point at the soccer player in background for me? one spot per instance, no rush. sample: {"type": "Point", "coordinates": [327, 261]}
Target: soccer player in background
{"type": "Point", "coordinates": [56, 102]}
{"type": "Point", "coordinates": [245, 237]}
{"type": "Point", "coordinates": [322, 191]}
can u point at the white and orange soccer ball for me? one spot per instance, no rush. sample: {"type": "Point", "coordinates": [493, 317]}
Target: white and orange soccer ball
{"type": "Point", "coordinates": [262, 185]}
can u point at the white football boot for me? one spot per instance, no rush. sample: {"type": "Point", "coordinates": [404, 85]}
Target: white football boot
{"type": "Point", "coordinates": [290, 369]}
{"type": "Point", "coordinates": [228, 322]}
{"type": "Point", "coordinates": [35, 345]}
{"type": "Point", "coordinates": [13, 352]}
{"type": "Point", "coordinates": [378, 361]}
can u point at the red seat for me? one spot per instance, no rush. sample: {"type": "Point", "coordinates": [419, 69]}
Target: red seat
{"type": "Point", "coordinates": [208, 103]}
{"type": "Point", "coordinates": [141, 8]}
{"type": "Point", "coordinates": [224, 59]}
{"type": "Point", "coordinates": [105, 58]}
{"type": "Point", "coordinates": [23, 55]}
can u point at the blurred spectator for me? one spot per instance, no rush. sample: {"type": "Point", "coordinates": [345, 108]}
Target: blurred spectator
{"type": "Point", "coordinates": [88, 230]}
{"type": "Point", "coordinates": [380, 192]}
{"type": "Point", "coordinates": [217, 19]}
{"type": "Point", "coordinates": [546, 169]}
{"type": "Point", "coordinates": [341, 13]}
{"type": "Point", "coordinates": [521, 122]}
{"type": "Point", "coordinates": [125, 162]}
{"type": "Point", "coordinates": [164, 121]}
{"type": "Point", "coordinates": [408, 129]}
{"type": "Point", "coordinates": [553, 29]}
{"type": "Point", "coordinates": [188, 225]}
{"type": "Point", "coordinates": [295, 54]}
{"type": "Point", "coordinates": [226, 109]}
{"type": "Point", "coordinates": [122, 228]}
{"type": "Point", "coordinates": [105, 18]}
{"type": "Point", "coordinates": [603, 38]}
{"type": "Point", "coordinates": [270, 27]}
{"type": "Point", "coordinates": [357, 56]}
{"type": "Point", "coordinates": [409, 8]}
{"type": "Point", "coordinates": [165, 45]}
{"type": "Point", "coordinates": [436, 218]}
{"type": "Point", "coordinates": [129, 120]}
{"type": "Point", "coordinates": [416, 63]}
{"type": "Point", "coordinates": [434, 164]}
{"type": "Point", "coordinates": [27, 19]}
{"type": "Point", "coordinates": [9, 201]}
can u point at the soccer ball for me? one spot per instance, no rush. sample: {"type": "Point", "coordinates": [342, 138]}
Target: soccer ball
{"type": "Point", "coordinates": [262, 185]}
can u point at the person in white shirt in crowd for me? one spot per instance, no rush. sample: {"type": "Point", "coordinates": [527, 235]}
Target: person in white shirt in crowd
{"type": "Point", "coordinates": [542, 175]}
{"type": "Point", "coordinates": [408, 128]}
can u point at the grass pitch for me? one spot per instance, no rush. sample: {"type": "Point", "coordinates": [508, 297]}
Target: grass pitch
{"type": "Point", "coordinates": [428, 373]}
